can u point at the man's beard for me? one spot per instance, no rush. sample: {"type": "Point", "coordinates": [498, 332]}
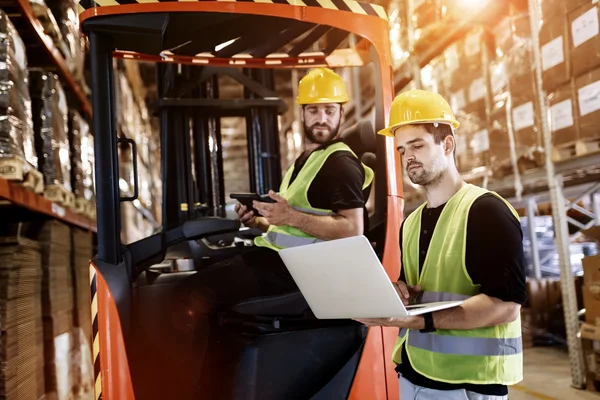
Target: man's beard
{"type": "Point", "coordinates": [321, 138]}
{"type": "Point", "coordinates": [421, 176]}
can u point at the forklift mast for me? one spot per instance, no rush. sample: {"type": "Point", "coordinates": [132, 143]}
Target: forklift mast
{"type": "Point", "coordinates": [191, 139]}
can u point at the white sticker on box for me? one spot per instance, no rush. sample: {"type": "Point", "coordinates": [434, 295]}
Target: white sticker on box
{"type": "Point", "coordinates": [585, 27]}
{"type": "Point", "coordinates": [552, 53]}
{"type": "Point", "coordinates": [480, 142]}
{"type": "Point", "coordinates": [589, 98]}
{"type": "Point", "coordinates": [458, 100]}
{"type": "Point", "coordinates": [477, 90]}
{"type": "Point", "coordinates": [523, 116]}
{"type": "Point", "coordinates": [561, 115]}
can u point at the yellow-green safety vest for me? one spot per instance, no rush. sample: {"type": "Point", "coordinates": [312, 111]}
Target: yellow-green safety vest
{"type": "Point", "coordinates": [280, 237]}
{"type": "Point", "coordinates": [492, 355]}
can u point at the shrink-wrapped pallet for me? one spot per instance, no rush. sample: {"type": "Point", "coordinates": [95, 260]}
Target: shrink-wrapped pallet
{"type": "Point", "coordinates": [16, 129]}
{"type": "Point", "coordinates": [82, 157]}
{"type": "Point", "coordinates": [73, 45]}
{"type": "Point", "coordinates": [50, 122]}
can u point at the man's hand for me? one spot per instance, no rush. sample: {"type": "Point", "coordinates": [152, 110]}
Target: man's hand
{"type": "Point", "coordinates": [248, 219]}
{"type": "Point", "coordinates": [408, 294]}
{"type": "Point", "coordinates": [278, 213]}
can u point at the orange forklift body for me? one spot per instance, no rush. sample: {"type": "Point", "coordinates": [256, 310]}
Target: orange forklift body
{"type": "Point", "coordinates": [375, 378]}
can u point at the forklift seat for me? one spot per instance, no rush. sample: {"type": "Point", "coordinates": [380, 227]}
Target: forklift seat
{"type": "Point", "coordinates": [360, 137]}
{"type": "Point", "coordinates": [278, 305]}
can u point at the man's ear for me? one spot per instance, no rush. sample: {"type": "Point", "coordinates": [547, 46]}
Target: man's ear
{"type": "Point", "coordinates": [449, 144]}
{"type": "Point", "coordinates": [302, 114]}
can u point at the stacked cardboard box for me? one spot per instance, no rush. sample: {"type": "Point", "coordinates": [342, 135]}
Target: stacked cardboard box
{"type": "Point", "coordinates": [469, 95]}
{"type": "Point", "coordinates": [557, 72]}
{"type": "Point", "coordinates": [584, 52]}
{"type": "Point", "coordinates": [542, 315]}
{"type": "Point", "coordinates": [57, 296]}
{"type": "Point", "coordinates": [21, 331]}
{"type": "Point", "coordinates": [513, 86]}
{"type": "Point", "coordinates": [590, 331]}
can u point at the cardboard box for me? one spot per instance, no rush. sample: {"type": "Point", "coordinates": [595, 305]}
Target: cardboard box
{"type": "Point", "coordinates": [552, 8]}
{"type": "Point", "coordinates": [587, 89]}
{"type": "Point", "coordinates": [556, 63]}
{"type": "Point", "coordinates": [563, 115]}
{"type": "Point", "coordinates": [511, 31]}
{"type": "Point", "coordinates": [526, 123]}
{"type": "Point", "coordinates": [584, 38]}
{"type": "Point", "coordinates": [591, 302]}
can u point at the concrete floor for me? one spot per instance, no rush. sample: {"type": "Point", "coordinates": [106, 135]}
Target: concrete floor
{"type": "Point", "coordinates": [547, 376]}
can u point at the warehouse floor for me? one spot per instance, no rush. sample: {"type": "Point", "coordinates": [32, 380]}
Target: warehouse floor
{"type": "Point", "coordinates": [547, 376]}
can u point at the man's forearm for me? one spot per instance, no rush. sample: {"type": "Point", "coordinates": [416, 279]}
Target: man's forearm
{"type": "Point", "coordinates": [477, 312]}
{"type": "Point", "coordinates": [325, 227]}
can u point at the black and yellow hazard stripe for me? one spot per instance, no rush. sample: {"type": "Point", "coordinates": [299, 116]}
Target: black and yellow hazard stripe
{"type": "Point", "coordinates": [95, 336]}
{"type": "Point", "coordinates": [353, 6]}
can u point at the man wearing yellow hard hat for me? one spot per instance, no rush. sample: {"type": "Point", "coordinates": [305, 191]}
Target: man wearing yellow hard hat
{"type": "Point", "coordinates": [463, 243]}
{"type": "Point", "coordinates": [320, 198]}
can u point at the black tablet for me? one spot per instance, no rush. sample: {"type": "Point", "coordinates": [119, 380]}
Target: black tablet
{"type": "Point", "coordinates": [247, 199]}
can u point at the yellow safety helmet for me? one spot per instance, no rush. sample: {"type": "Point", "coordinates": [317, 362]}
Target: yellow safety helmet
{"type": "Point", "coordinates": [419, 107]}
{"type": "Point", "coordinates": [321, 85]}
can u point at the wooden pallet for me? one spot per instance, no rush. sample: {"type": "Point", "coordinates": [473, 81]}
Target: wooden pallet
{"type": "Point", "coordinates": [502, 169]}
{"type": "Point", "coordinates": [575, 149]}
{"type": "Point", "coordinates": [60, 195]}
{"type": "Point", "coordinates": [18, 170]}
{"type": "Point", "coordinates": [82, 206]}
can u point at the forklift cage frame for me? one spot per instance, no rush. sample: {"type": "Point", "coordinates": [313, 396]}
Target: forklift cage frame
{"type": "Point", "coordinates": [369, 21]}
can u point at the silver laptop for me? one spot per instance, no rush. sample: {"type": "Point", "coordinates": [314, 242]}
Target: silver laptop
{"type": "Point", "coordinates": [344, 279]}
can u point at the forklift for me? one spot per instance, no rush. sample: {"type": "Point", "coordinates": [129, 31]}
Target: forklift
{"type": "Point", "coordinates": [282, 351]}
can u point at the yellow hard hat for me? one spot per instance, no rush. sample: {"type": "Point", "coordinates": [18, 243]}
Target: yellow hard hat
{"type": "Point", "coordinates": [321, 85]}
{"type": "Point", "coordinates": [418, 107]}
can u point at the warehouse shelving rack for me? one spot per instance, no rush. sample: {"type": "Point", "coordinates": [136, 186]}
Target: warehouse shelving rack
{"type": "Point", "coordinates": [574, 178]}
{"type": "Point", "coordinates": [41, 49]}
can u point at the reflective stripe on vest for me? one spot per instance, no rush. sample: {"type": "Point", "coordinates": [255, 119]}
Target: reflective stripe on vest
{"type": "Point", "coordinates": [282, 240]}
{"type": "Point", "coordinates": [430, 297]}
{"type": "Point", "coordinates": [466, 346]}
{"type": "Point", "coordinates": [313, 211]}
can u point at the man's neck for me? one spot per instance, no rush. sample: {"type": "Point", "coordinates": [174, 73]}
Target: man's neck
{"type": "Point", "coordinates": [447, 187]}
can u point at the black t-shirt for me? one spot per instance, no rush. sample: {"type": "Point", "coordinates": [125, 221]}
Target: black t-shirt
{"type": "Point", "coordinates": [494, 259]}
{"type": "Point", "coordinates": [338, 184]}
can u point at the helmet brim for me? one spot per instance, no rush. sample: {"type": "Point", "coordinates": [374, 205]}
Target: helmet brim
{"type": "Point", "coordinates": [390, 131]}
{"type": "Point", "coordinates": [323, 100]}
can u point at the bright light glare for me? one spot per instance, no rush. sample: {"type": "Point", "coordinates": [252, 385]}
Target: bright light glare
{"type": "Point", "coordinates": [224, 44]}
